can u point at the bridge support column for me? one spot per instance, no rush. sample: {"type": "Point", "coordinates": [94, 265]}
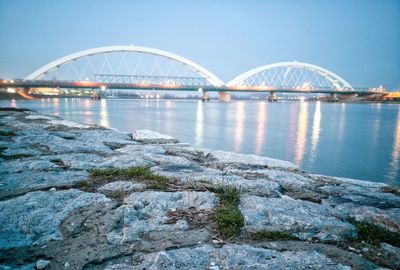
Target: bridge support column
{"type": "Point", "coordinates": [333, 98]}
{"type": "Point", "coordinates": [225, 97]}
{"type": "Point", "coordinates": [272, 97]}
{"type": "Point", "coordinates": [205, 96]}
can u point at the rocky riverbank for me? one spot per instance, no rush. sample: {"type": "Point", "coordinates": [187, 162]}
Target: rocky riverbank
{"type": "Point", "coordinates": [76, 196]}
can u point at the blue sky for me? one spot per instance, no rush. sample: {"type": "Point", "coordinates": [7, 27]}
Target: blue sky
{"type": "Point", "coordinates": [357, 39]}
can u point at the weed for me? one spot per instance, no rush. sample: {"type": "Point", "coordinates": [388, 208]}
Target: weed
{"type": "Point", "coordinates": [229, 220]}
{"type": "Point", "coordinates": [273, 235]}
{"type": "Point", "coordinates": [139, 173]}
{"type": "Point", "coordinates": [7, 133]}
{"type": "Point", "coordinates": [374, 234]}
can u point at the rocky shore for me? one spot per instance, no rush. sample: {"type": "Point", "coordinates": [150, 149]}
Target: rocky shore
{"type": "Point", "coordinates": [76, 196]}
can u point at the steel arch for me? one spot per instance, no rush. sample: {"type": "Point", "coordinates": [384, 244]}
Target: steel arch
{"type": "Point", "coordinates": [333, 78]}
{"type": "Point", "coordinates": [213, 79]}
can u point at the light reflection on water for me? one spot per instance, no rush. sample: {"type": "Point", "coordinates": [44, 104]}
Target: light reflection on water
{"type": "Point", "coordinates": [301, 139]}
{"type": "Point", "coordinates": [315, 130]}
{"type": "Point", "coordinates": [394, 164]}
{"type": "Point", "coordinates": [349, 140]}
{"type": "Point", "coordinates": [261, 130]}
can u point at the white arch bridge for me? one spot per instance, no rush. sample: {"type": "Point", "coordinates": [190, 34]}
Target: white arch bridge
{"type": "Point", "coordinates": [141, 68]}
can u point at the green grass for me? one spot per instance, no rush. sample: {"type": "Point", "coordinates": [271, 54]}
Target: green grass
{"type": "Point", "coordinates": [228, 194]}
{"type": "Point", "coordinates": [138, 173]}
{"type": "Point", "coordinates": [374, 234]}
{"type": "Point", "coordinates": [6, 133]}
{"type": "Point", "coordinates": [227, 216]}
{"type": "Point", "coordinates": [273, 235]}
{"type": "Point", "coordinates": [81, 183]}
{"type": "Point", "coordinates": [229, 220]}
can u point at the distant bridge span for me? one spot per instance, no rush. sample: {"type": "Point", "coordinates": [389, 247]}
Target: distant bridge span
{"type": "Point", "coordinates": [111, 68]}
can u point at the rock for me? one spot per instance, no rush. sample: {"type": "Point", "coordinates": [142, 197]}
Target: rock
{"type": "Point", "coordinates": [36, 216]}
{"type": "Point", "coordinates": [69, 124]}
{"type": "Point", "coordinates": [58, 145]}
{"type": "Point", "coordinates": [147, 211]}
{"type": "Point", "coordinates": [15, 152]}
{"type": "Point", "coordinates": [198, 175]}
{"type": "Point", "coordinates": [140, 148]}
{"type": "Point", "coordinates": [41, 264]}
{"type": "Point", "coordinates": [39, 117]}
{"type": "Point", "coordinates": [148, 136]}
{"type": "Point", "coordinates": [305, 219]}
{"type": "Point", "coordinates": [360, 195]}
{"type": "Point", "coordinates": [388, 219]}
{"type": "Point", "coordinates": [232, 256]}
{"type": "Point", "coordinates": [121, 186]}
{"type": "Point", "coordinates": [76, 161]}
{"type": "Point", "coordinates": [19, 183]}
{"type": "Point", "coordinates": [221, 159]}
{"type": "Point", "coordinates": [30, 266]}
{"type": "Point", "coordinates": [153, 153]}
{"type": "Point", "coordinates": [26, 164]}
{"type": "Point", "coordinates": [127, 160]}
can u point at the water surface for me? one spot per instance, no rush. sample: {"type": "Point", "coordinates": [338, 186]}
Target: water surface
{"type": "Point", "coordinates": [350, 140]}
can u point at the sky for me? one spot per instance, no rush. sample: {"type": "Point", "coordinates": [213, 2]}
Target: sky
{"type": "Point", "coordinates": [357, 39]}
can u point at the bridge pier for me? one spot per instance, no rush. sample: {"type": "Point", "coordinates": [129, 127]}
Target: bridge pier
{"type": "Point", "coordinates": [333, 98]}
{"type": "Point", "coordinates": [272, 97]}
{"type": "Point", "coordinates": [225, 97]}
{"type": "Point", "coordinates": [205, 96]}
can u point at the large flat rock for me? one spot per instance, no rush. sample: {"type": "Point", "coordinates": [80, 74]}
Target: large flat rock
{"type": "Point", "coordinates": [36, 216]}
{"type": "Point", "coordinates": [305, 219]}
{"type": "Point", "coordinates": [232, 256]}
{"type": "Point", "coordinates": [147, 211]}
{"type": "Point", "coordinates": [200, 175]}
{"type": "Point", "coordinates": [12, 184]}
{"type": "Point", "coordinates": [148, 136]}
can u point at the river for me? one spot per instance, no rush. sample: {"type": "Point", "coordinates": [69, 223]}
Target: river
{"type": "Point", "coordinates": [359, 141]}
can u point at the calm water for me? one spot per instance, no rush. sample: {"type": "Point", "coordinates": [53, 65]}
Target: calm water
{"type": "Point", "coordinates": [350, 140]}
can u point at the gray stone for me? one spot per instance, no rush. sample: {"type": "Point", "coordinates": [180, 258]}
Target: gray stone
{"type": "Point", "coordinates": [26, 164]}
{"type": "Point", "coordinates": [388, 218]}
{"type": "Point", "coordinates": [60, 145]}
{"type": "Point", "coordinates": [305, 219]}
{"type": "Point", "coordinates": [147, 211]}
{"type": "Point", "coordinates": [41, 264]}
{"type": "Point", "coordinates": [121, 186]}
{"type": "Point", "coordinates": [19, 152]}
{"type": "Point", "coordinates": [18, 183]}
{"type": "Point", "coordinates": [77, 161]}
{"type": "Point", "coordinates": [148, 136]}
{"type": "Point", "coordinates": [222, 159]}
{"type": "Point", "coordinates": [30, 266]}
{"type": "Point", "coordinates": [232, 256]}
{"type": "Point", "coordinates": [36, 216]}
{"type": "Point", "coordinates": [198, 175]}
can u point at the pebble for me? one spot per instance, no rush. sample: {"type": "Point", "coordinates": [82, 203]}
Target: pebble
{"type": "Point", "coordinates": [41, 264]}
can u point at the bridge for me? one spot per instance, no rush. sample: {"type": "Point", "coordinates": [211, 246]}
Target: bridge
{"type": "Point", "coordinates": [141, 68]}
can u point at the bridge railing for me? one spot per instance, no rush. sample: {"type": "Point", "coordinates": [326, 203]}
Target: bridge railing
{"type": "Point", "coordinates": [151, 80]}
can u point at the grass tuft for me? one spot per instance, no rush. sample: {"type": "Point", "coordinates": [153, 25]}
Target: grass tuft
{"type": "Point", "coordinates": [229, 220]}
{"type": "Point", "coordinates": [227, 216]}
{"type": "Point", "coordinates": [139, 173]}
{"type": "Point", "coordinates": [374, 234]}
{"type": "Point", "coordinates": [7, 133]}
{"type": "Point", "coordinates": [273, 235]}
